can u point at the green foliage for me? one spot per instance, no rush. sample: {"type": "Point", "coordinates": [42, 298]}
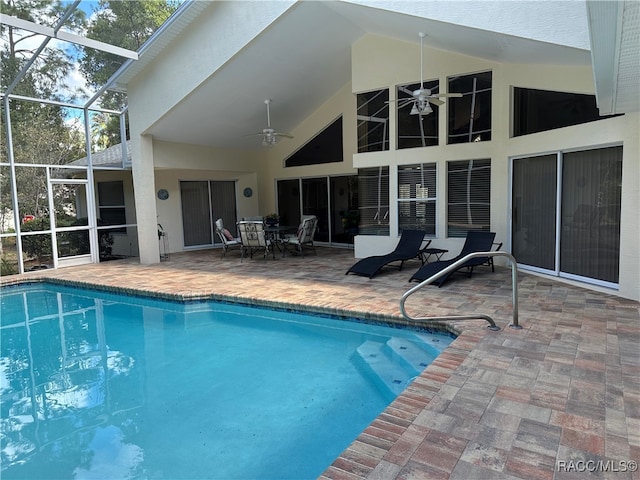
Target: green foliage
{"type": "Point", "coordinates": [124, 24]}
{"type": "Point", "coordinates": [53, 64]}
{"type": "Point", "coordinates": [7, 267]}
{"type": "Point", "coordinates": [350, 219]}
{"type": "Point", "coordinates": [38, 246]}
{"type": "Point", "coordinates": [39, 132]}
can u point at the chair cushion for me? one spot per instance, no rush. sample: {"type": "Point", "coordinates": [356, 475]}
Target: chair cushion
{"type": "Point", "coordinates": [227, 234]}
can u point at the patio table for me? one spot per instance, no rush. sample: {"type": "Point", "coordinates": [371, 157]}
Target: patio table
{"type": "Point", "coordinates": [275, 234]}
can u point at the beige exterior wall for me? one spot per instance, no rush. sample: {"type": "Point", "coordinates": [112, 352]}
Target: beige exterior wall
{"type": "Point", "coordinates": [201, 163]}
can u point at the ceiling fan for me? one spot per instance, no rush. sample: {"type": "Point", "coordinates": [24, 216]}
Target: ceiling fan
{"type": "Point", "coordinates": [422, 98]}
{"type": "Point", "coordinates": [269, 135]}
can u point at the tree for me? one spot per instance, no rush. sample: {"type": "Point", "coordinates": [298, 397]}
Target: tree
{"type": "Point", "coordinates": [52, 66]}
{"type": "Point", "coordinates": [123, 24]}
{"type": "Point", "coordinates": [40, 133]}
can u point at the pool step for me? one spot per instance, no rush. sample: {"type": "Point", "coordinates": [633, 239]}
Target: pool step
{"type": "Point", "coordinates": [409, 354]}
{"type": "Point", "coordinates": [394, 363]}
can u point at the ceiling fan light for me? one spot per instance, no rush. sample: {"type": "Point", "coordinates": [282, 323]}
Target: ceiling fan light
{"type": "Point", "coordinates": [426, 110]}
{"type": "Point", "coordinates": [414, 110]}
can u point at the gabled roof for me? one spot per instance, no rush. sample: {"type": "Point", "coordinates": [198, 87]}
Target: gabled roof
{"type": "Point", "coordinates": [300, 65]}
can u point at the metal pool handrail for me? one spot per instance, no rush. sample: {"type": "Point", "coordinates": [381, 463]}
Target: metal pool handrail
{"type": "Point", "coordinates": [451, 268]}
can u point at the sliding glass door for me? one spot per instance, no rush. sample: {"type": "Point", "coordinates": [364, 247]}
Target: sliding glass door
{"type": "Point", "coordinates": [534, 211]}
{"type": "Point", "coordinates": [591, 200]}
{"type": "Point", "coordinates": [331, 199]}
{"type": "Point", "coordinates": [202, 203]}
{"type": "Point", "coordinates": [566, 214]}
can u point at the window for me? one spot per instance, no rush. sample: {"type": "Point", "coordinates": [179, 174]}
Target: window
{"type": "Point", "coordinates": [111, 208]}
{"type": "Point", "coordinates": [373, 200]}
{"type": "Point", "coordinates": [542, 110]}
{"type": "Point", "coordinates": [325, 147]}
{"type": "Point", "coordinates": [417, 197]}
{"type": "Point", "coordinates": [416, 130]}
{"type": "Point", "coordinates": [373, 121]}
{"type": "Point", "coordinates": [468, 196]}
{"type": "Point", "coordinates": [470, 115]}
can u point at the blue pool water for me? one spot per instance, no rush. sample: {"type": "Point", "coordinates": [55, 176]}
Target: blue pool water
{"type": "Point", "coordinates": [98, 385]}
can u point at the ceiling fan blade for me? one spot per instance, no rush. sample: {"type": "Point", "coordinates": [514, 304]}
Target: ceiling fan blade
{"type": "Point", "coordinates": [435, 101]}
{"type": "Point", "coordinates": [447, 95]}
{"type": "Point", "coordinates": [286, 135]}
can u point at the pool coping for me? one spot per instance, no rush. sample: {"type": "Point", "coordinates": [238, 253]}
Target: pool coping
{"type": "Point", "coordinates": [339, 313]}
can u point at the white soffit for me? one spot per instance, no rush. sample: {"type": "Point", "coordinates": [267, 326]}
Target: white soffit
{"type": "Point", "coordinates": [615, 38]}
{"type": "Point", "coordinates": [550, 21]}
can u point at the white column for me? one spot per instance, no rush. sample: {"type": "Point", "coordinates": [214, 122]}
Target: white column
{"type": "Point", "coordinates": [145, 199]}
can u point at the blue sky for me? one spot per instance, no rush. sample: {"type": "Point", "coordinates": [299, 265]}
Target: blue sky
{"type": "Point", "coordinates": [88, 6]}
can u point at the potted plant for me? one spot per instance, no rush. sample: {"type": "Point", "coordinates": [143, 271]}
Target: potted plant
{"type": "Point", "coordinates": [351, 221]}
{"type": "Point", "coordinates": [272, 219]}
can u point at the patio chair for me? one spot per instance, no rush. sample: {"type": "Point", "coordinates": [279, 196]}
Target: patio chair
{"type": "Point", "coordinates": [252, 238]}
{"type": "Point", "coordinates": [304, 236]}
{"type": "Point", "coordinates": [408, 247]}
{"type": "Point", "coordinates": [227, 239]}
{"type": "Point", "coordinates": [476, 241]}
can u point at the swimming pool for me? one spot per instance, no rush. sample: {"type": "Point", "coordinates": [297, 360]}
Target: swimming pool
{"type": "Point", "coordinates": [99, 385]}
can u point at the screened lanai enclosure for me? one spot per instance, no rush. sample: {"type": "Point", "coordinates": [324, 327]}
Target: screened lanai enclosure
{"type": "Point", "coordinates": [62, 123]}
